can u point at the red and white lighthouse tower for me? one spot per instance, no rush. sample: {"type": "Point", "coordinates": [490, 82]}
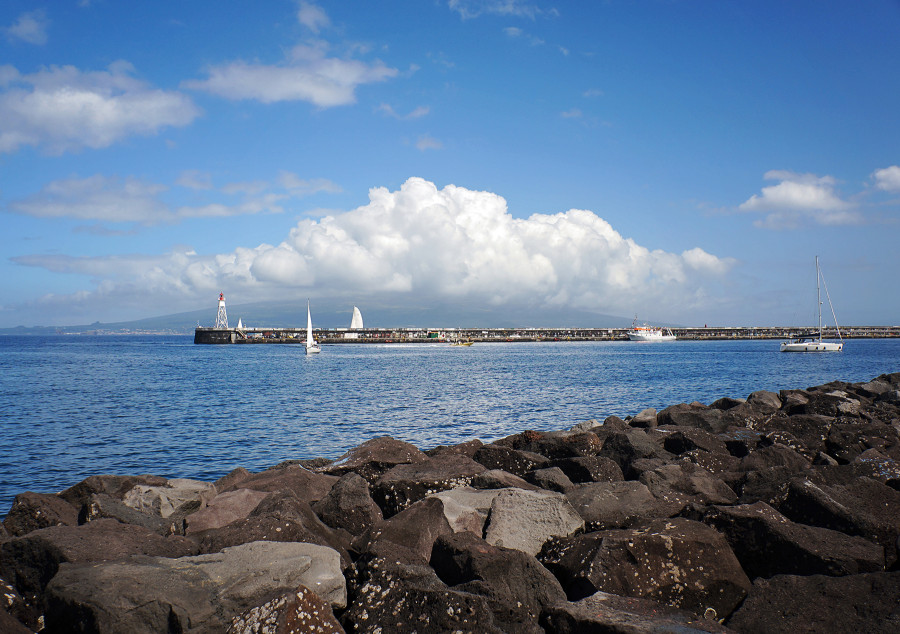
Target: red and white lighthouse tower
{"type": "Point", "coordinates": [221, 317]}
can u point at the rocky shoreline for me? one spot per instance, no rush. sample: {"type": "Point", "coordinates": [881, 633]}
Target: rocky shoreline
{"type": "Point", "coordinates": [779, 512]}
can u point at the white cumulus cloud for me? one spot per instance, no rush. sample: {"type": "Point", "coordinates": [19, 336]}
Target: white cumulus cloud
{"type": "Point", "coordinates": [31, 27]}
{"type": "Point", "coordinates": [424, 245]}
{"type": "Point", "coordinates": [64, 109]}
{"type": "Point", "coordinates": [887, 179]}
{"type": "Point", "coordinates": [798, 198]}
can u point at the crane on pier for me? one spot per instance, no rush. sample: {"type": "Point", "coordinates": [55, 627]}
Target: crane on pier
{"type": "Point", "coordinates": [221, 317]}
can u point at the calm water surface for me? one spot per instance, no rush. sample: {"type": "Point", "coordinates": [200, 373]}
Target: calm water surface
{"type": "Point", "coordinates": [74, 406]}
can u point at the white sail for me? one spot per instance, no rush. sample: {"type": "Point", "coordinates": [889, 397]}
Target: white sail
{"type": "Point", "coordinates": [357, 321]}
{"type": "Point", "coordinates": [311, 346]}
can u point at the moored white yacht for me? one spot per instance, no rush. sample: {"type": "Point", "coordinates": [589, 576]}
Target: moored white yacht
{"type": "Point", "coordinates": [311, 346]}
{"type": "Point", "coordinates": [813, 342]}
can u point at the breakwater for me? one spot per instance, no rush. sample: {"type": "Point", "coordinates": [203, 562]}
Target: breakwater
{"type": "Point", "coordinates": [773, 511]}
{"type": "Point", "coordinates": [496, 335]}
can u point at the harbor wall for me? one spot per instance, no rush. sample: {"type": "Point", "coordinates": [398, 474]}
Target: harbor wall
{"type": "Point", "coordinates": [497, 335]}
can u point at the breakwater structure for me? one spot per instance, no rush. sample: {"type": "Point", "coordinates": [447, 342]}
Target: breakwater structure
{"type": "Point", "coordinates": [495, 335]}
{"type": "Point", "coordinates": [777, 512]}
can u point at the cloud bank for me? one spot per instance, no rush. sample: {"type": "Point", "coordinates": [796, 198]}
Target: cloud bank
{"type": "Point", "coordinates": [421, 245]}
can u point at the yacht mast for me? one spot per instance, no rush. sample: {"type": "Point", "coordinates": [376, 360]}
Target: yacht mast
{"type": "Point", "coordinates": [818, 298]}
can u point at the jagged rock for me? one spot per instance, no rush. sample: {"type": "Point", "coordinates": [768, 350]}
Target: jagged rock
{"type": "Point", "coordinates": [280, 517]}
{"type": "Point", "coordinates": [680, 562]}
{"type": "Point", "coordinates": [299, 611]}
{"type": "Point", "coordinates": [466, 508]}
{"type": "Point", "coordinates": [684, 439]}
{"type": "Point", "coordinates": [687, 483]}
{"type": "Point", "coordinates": [834, 404]}
{"type": "Point", "coordinates": [605, 505]}
{"type": "Point", "coordinates": [645, 418]}
{"type": "Point", "coordinates": [525, 520]}
{"type": "Point", "coordinates": [846, 442]}
{"type": "Point", "coordinates": [408, 536]}
{"type": "Point", "coordinates": [508, 459]}
{"type": "Point", "coordinates": [696, 415]}
{"type": "Point", "coordinates": [727, 402]}
{"type": "Point", "coordinates": [590, 469]}
{"type": "Point", "coordinates": [31, 511]}
{"type": "Point", "coordinates": [630, 445]}
{"type": "Point", "coordinates": [402, 598]}
{"type": "Point", "coordinates": [775, 455]}
{"type": "Point", "coordinates": [764, 400]}
{"type": "Point", "coordinates": [804, 433]}
{"type": "Point", "coordinates": [349, 505]}
{"type": "Point", "coordinates": [874, 464]}
{"type": "Point", "coordinates": [115, 486]}
{"type": "Point", "coordinates": [374, 457]}
{"type": "Point", "coordinates": [767, 544]}
{"type": "Point", "coordinates": [223, 509]}
{"type": "Point", "coordinates": [306, 485]}
{"type": "Point", "coordinates": [587, 425]}
{"type": "Point", "coordinates": [551, 478]}
{"type": "Point", "coordinates": [31, 561]}
{"type": "Point", "coordinates": [199, 593]}
{"type": "Point", "coordinates": [408, 483]}
{"type": "Point", "coordinates": [788, 604]}
{"type": "Point", "coordinates": [102, 506]}
{"type": "Point", "coordinates": [468, 448]}
{"type": "Point", "coordinates": [516, 586]}
{"type": "Point", "coordinates": [603, 612]}
{"type": "Point", "coordinates": [16, 615]}
{"type": "Point", "coordinates": [555, 444]}
{"type": "Point", "coordinates": [499, 479]}
{"type": "Point", "coordinates": [164, 500]}
{"type": "Point", "coordinates": [863, 507]}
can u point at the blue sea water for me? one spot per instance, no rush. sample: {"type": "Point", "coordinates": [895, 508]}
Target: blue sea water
{"type": "Point", "coordinates": [74, 406]}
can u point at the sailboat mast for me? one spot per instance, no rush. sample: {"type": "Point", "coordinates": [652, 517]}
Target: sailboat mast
{"type": "Point", "coordinates": [818, 298]}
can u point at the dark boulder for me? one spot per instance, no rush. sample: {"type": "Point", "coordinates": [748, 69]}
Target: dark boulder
{"type": "Point", "coordinates": [408, 483]}
{"type": "Point", "coordinates": [679, 562]}
{"type": "Point", "coordinates": [306, 485]}
{"type": "Point", "coordinates": [767, 544]}
{"type": "Point", "coordinates": [467, 448]}
{"type": "Point", "coordinates": [408, 536]}
{"type": "Point", "coordinates": [590, 469]}
{"type": "Point", "coordinates": [31, 511]}
{"type": "Point", "coordinates": [685, 482]}
{"type": "Point", "coordinates": [299, 611]}
{"type": "Point", "coordinates": [605, 505]}
{"type": "Point", "coordinates": [31, 561]}
{"type": "Point", "coordinates": [115, 486]}
{"type": "Point", "coordinates": [551, 479]}
{"type": "Point", "coordinates": [699, 416]}
{"type": "Point", "coordinates": [102, 506]}
{"type": "Point", "coordinates": [555, 444]}
{"type": "Point", "coordinates": [863, 507]}
{"type": "Point", "coordinates": [610, 613]}
{"type": "Point", "coordinates": [508, 459]}
{"type": "Point", "coordinates": [280, 517]}
{"type": "Point", "coordinates": [349, 505]}
{"type": "Point", "coordinates": [374, 457]}
{"type": "Point", "coordinates": [516, 586]}
{"type": "Point", "coordinates": [499, 479]}
{"type": "Point", "coordinates": [787, 604]}
{"type": "Point", "coordinates": [630, 445]}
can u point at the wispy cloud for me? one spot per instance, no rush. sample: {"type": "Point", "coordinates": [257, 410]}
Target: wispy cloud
{"type": "Point", "coordinates": [515, 32]}
{"type": "Point", "coordinates": [31, 27]}
{"type": "Point", "coordinates": [798, 199]}
{"type": "Point", "coordinates": [131, 200]}
{"type": "Point", "coordinates": [64, 109]}
{"type": "Point", "coordinates": [312, 16]}
{"type": "Point", "coordinates": [416, 113]}
{"type": "Point", "coordinates": [468, 9]}
{"type": "Point", "coordinates": [308, 75]}
{"type": "Point", "coordinates": [428, 142]}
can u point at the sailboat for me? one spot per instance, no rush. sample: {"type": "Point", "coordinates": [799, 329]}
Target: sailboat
{"type": "Point", "coordinates": [311, 346]}
{"type": "Point", "coordinates": [813, 342]}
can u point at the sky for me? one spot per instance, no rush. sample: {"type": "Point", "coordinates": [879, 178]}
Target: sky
{"type": "Point", "coordinates": [680, 160]}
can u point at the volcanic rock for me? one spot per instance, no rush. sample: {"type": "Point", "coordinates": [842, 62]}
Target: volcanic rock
{"type": "Point", "coordinates": [374, 457]}
{"type": "Point", "coordinates": [525, 520]}
{"type": "Point", "coordinates": [31, 511]}
{"type": "Point", "coordinates": [605, 505]}
{"type": "Point", "coordinates": [513, 461]}
{"type": "Point", "coordinates": [164, 500]}
{"type": "Point", "coordinates": [349, 505]}
{"type": "Point", "coordinates": [299, 611]}
{"type": "Point", "coordinates": [306, 485]}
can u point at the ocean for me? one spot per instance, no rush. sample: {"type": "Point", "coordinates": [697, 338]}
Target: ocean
{"type": "Point", "coordinates": [74, 406]}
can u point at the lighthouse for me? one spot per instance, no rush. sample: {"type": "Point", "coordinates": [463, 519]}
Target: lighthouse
{"type": "Point", "coordinates": [221, 317]}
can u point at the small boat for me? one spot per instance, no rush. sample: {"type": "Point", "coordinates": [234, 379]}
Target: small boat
{"type": "Point", "coordinates": [813, 342]}
{"type": "Point", "coordinates": [649, 333]}
{"type": "Point", "coordinates": [311, 346]}
{"type": "Point", "coordinates": [462, 343]}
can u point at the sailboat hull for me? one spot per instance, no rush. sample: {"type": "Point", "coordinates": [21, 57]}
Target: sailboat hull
{"type": "Point", "coordinates": [811, 346]}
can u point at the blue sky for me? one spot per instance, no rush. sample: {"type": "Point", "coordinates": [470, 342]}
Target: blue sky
{"type": "Point", "coordinates": [680, 160]}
